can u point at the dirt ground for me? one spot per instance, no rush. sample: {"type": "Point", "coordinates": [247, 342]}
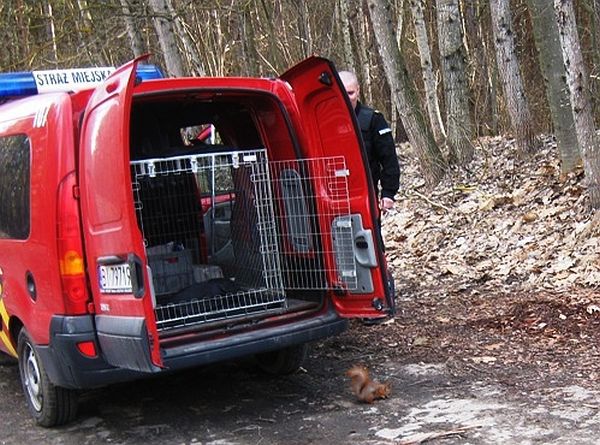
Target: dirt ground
{"type": "Point", "coordinates": [467, 367]}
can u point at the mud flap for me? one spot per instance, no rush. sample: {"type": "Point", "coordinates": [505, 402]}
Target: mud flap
{"type": "Point", "coordinates": [124, 342]}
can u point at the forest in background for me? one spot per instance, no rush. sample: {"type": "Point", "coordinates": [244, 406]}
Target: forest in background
{"type": "Point", "coordinates": [450, 70]}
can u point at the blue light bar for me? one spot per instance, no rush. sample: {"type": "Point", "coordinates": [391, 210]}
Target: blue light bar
{"type": "Point", "coordinates": [149, 72]}
{"type": "Point", "coordinates": [28, 83]}
{"type": "Point", "coordinates": [17, 84]}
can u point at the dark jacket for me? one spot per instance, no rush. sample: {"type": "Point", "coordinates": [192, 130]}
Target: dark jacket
{"type": "Point", "coordinates": [381, 151]}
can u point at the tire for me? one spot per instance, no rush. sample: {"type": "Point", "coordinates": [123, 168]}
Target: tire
{"type": "Point", "coordinates": [283, 361]}
{"type": "Point", "coordinates": [49, 405]}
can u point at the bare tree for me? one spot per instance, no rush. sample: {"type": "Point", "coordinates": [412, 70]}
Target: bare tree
{"type": "Point", "coordinates": [404, 95]}
{"type": "Point", "coordinates": [594, 9]}
{"type": "Point", "coordinates": [551, 63]}
{"type": "Point", "coordinates": [165, 29]}
{"type": "Point", "coordinates": [86, 26]}
{"type": "Point", "coordinates": [459, 121]}
{"type": "Point", "coordinates": [51, 29]}
{"type": "Point", "coordinates": [304, 27]}
{"type": "Point", "coordinates": [399, 8]}
{"type": "Point", "coordinates": [364, 61]}
{"type": "Point", "coordinates": [508, 70]}
{"type": "Point", "coordinates": [577, 80]}
{"type": "Point", "coordinates": [250, 59]}
{"type": "Point", "coordinates": [135, 38]}
{"type": "Point", "coordinates": [192, 56]}
{"type": "Point", "coordinates": [429, 81]}
{"type": "Point", "coordinates": [481, 67]}
{"type": "Point", "coordinates": [348, 54]}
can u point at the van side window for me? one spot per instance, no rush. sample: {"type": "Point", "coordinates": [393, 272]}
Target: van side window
{"type": "Point", "coordinates": [14, 186]}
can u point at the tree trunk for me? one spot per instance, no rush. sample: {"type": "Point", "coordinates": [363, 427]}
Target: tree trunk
{"type": "Point", "coordinates": [250, 58]}
{"type": "Point", "coordinates": [303, 27]}
{"type": "Point", "coordinates": [547, 41]}
{"type": "Point", "coordinates": [165, 29]}
{"type": "Point", "coordinates": [485, 116]}
{"type": "Point", "coordinates": [577, 80]}
{"type": "Point", "coordinates": [459, 122]}
{"type": "Point", "coordinates": [364, 60]}
{"type": "Point", "coordinates": [194, 61]}
{"type": "Point", "coordinates": [50, 29]}
{"type": "Point", "coordinates": [135, 39]}
{"type": "Point", "coordinates": [399, 7]}
{"type": "Point", "coordinates": [429, 81]}
{"type": "Point", "coordinates": [348, 54]}
{"type": "Point", "coordinates": [404, 94]}
{"type": "Point", "coordinates": [595, 44]}
{"type": "Point", "coordinates": [276, 54]}
{"type": "Point", "coordinates": [512, 83]}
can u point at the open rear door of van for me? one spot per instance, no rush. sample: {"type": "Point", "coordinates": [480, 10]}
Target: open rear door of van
{"type": "Point", "coordinates": [330, 129]}
{"type": "Point", "coordinates": [125, 319]}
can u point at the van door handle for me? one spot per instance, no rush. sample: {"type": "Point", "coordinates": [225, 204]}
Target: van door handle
{"type": "Point", "coordinates": [137, 275]}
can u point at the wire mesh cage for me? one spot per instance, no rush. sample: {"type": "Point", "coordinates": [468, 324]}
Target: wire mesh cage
{"type": "Point", "coordinates": [228, 232]}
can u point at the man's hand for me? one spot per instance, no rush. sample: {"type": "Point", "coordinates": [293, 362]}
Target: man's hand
{"type": "Point", "coordinates": [386, 204]}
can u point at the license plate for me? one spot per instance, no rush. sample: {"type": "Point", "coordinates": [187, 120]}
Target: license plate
{"type": "Point", "coordinates": [115, 279]}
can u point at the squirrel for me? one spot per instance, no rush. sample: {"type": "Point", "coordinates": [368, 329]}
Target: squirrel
{"type": "Point", "coordinates": [365, 389]}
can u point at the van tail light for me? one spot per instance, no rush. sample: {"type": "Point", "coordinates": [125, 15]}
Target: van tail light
{"type": "Point", "coordinates": [70, 248]}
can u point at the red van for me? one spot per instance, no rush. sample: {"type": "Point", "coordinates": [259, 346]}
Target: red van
{"type": "Point", "coordinates": [132, 244]}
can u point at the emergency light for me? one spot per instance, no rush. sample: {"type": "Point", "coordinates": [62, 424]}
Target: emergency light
{"type": "Point", "coordinates": [28, 83]}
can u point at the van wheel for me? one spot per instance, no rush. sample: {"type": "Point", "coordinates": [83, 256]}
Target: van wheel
{"type": "Point", "coordinates": [49, 405]}
{"type": "Point", "coordinates": [283, 361]}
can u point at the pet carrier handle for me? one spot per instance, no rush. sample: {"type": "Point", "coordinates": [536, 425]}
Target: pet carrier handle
{"type": "Point", "coordinates": [137, 275]}
{"type": "Point", "coordinates": [365, 250]}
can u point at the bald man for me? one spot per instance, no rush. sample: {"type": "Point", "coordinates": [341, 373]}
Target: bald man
{"type": "Point", "coordinates": [379, 144]}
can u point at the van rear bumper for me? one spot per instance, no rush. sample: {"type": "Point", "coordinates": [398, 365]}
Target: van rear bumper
{"type": "Point", "coordinates": [69, 368]}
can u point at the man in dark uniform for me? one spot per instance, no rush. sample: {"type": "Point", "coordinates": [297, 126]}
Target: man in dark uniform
{"type": "Point", "coordinates": [379, 144]}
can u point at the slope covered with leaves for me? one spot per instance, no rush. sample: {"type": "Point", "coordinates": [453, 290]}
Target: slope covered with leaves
{"type": "Point", "coordinates": [497, 273]}
{"type": "Point", "coordinates": [508, 223]}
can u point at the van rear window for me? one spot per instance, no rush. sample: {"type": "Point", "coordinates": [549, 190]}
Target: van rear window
{"type": "Point", "coordinates": [14, 186]}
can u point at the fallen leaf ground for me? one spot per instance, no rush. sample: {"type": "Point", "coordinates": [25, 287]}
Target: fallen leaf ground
{"type": "Point", "coordinates": [497, 272]}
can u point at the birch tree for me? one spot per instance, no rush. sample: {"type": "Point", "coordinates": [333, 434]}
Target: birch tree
{"type": "Point", "coordinates": [459, 121]}
{"type": "Point", "coordinates": [429, 81]}
{"type": "Point", "coordinates": [577, 80]}
{"type": "Point", "coordinates": [165, 29]}
{"type": "Point", "coordinates": [364, 62]}
{"type": "Point", "coordinates": [399, 8]}
{"type": "Point", "coordinates": [404, 95]}
{"type": "Point", "coordinates": [510, 76]}
{"type": "Point", "coordinates": [135, 38]}
{"type": "Point", "coordinates": [50, 28]}
{"type": "Point", "coordinates": [348, 54]}
{"type": "Point", "coordinates": [547, 40]}
{"type": "Point", "coordinates": [194, 61]}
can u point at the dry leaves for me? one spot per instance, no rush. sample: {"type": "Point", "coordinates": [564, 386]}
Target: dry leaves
{"type": "Point", "coordinates": [506, 223]}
